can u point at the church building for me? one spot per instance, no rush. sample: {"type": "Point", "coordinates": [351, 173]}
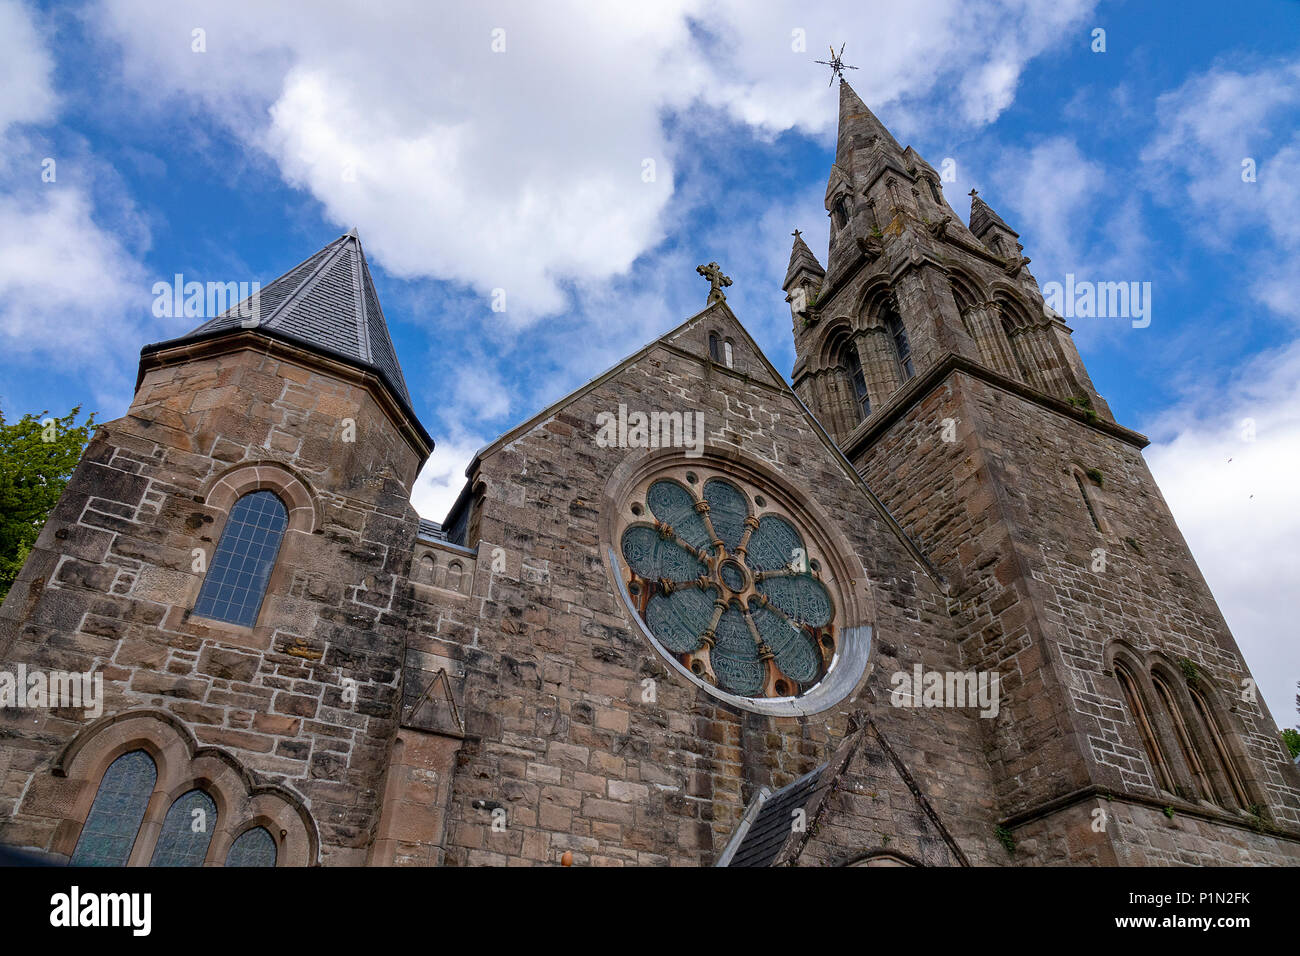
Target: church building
{"type": "Point", "coordinates": [920, 603]}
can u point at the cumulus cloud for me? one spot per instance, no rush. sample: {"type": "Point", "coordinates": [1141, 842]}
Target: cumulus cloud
{"type": "Point", "coordinates": [1227, 468]}
{"type": "Point", "coordinates": [68, 286]}
{"type": "Point", "coordinates": [25, 69]}
{"type": "Point", "coordinates": [506, 146]}
{"type": "Point", "coordinates": [1216, 128]}
{"type": "Point", "coordinates": [443, 476]}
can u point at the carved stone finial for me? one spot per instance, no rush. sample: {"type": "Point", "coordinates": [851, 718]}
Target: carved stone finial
{"type": "Point", "coordinates": [717, 281]}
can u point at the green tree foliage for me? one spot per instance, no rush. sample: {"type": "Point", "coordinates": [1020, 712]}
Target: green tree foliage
{"type": "Point", "coordinates": [37, 457]}
{"type": "Point", "coordinates": [1291, 738]}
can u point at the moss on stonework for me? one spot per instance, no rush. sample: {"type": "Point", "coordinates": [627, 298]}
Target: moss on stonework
{"type": "Point", "coordinates": [1190, 670]}
{"type": "Point", "coordinates": [1006, 838]}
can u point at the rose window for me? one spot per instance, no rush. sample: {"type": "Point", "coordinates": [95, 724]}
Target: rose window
{"type": "Point", "coordinates": [726, 584]}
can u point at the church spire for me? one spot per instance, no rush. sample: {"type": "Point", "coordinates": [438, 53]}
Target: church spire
{"type": "Point", "coordinates": [859, 127]}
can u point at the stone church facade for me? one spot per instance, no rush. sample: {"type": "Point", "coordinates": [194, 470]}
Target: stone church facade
{"type": "Point", "coordinates": [924, 606]}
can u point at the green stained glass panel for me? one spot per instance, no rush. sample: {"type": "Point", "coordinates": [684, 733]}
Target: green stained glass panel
{"type": "Point", "coordinates": [802, 597]}
{"type": "Point", "coordinates": [793, 648]}
{"type": "Point", "coordinates": [735, 655]}
{"type": "Point", "coordinates": [727, 510]}
{"type": "Point", "coordinates": [774, 544]}
{"type": "Point", "coordinates": [678, 619]}
{"type": "Point", "coordinates": [673, 505]}
{"type": "Point", "coordinates": [654, 557]}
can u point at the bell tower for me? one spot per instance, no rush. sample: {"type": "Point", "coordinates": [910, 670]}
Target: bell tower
{"type": "Point", "coordinates": [926, 349]}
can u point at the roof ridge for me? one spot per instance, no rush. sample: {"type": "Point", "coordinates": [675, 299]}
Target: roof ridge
{"type": "Point", "coordinates": [296, 296]}
{"type": "Point", "coordinates": [359, 293]}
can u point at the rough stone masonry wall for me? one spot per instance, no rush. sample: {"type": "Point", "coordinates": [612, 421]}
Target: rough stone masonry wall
{"type": "Point", "coordinates": [110, 584]}
{"type": "Point", "coordinates": [552, 663]}
{"type": "Point", "coordinates": [1030, 603]}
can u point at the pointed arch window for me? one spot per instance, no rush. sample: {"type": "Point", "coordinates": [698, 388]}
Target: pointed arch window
{"type": "Point", "coordinates": [118, 810]}
{"type": "Point", "coordinates": [902, 346]}
{"type": "Point", "coordinates": [1141, 717]}
{"type": "Point", "coordinates": [1232, 789]}
{"type": "Point", "coordinates": [1175, 716]}
{"type": "Point", "coordinates": [186, 831]}
{"type": "Point", "coordinates": [254, 847]}
{"type": "Point", "coordinates": [857, 380]}
{"type": "Point", "coordinates": [236, 583]}
{"type": "Point", "coordinates": [1087, 501]}
{"type": "Point", "coordinates": [1016, 342]}
{"type": "Point", "coordinates": [715, 348]}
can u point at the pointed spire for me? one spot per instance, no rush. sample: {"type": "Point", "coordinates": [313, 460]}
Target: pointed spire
{"type": "Point", "coordinates": [326, 303]}
{"type": "Point", "coordinates": [802, 260]}
{"type": "Point", "coordinates": [983, 218]}
{"type": "Point", "coordinates": [857, 126]}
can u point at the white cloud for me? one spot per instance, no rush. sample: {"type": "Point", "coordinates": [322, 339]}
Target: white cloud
{"type": "Point", "coordinates": [1209, 127]}
{"type": "Point", "coordinates": [443, 476]}
{"type": "Point", "coordinates": [26, 93]}
{"type": "Point", "coordinates": [522, 170]}
{"type": "Point", "coordinates": [1235, 501]}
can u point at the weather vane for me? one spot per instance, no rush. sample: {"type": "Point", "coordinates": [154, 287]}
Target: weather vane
{"type": "Point", "coordinates": [837, 64]}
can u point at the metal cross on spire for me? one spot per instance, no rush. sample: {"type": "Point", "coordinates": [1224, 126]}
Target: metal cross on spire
{"type": "Point", "coordinates": [837, 64]}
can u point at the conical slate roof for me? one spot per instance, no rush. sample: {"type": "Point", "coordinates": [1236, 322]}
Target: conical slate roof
{"type": "Point", "coordinates": [982, 217]}
{"type": "Point", "coordinates": [326, 303]}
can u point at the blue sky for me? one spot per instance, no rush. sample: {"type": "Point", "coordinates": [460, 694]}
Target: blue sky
{"type": "Point", "coordinates": [469, 169]}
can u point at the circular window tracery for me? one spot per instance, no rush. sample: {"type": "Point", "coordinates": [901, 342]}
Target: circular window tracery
{"type": "Point", "coordinates": [727, 585]}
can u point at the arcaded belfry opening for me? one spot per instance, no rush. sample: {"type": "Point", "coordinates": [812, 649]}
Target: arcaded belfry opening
{"type": "Point", "coordinates": [737, 583]}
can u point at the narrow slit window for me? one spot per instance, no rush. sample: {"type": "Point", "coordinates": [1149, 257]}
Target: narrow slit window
{"type": "Point", "coordinates": [1087, 500]}
{"type": "Point", "coordinates": [714, 349]}
{"type": "Point", "coordinates": [236, 583]}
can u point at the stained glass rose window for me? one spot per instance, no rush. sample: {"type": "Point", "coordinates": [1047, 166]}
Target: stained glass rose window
{"type": "Point", "coordinates": [726, 583]}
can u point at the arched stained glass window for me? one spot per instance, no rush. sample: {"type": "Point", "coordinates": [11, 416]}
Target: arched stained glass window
{"type": "Point", "coordinates": [729, 590]}
{"type": "Point", "coordinates": [902, 346]}
{"type": "Point", "coordinates": [236, 582]}
{"type": "Point", "coordinates": [857, 380]}
{"type": "Point", "coordinates": [186, 831]}
{"type": "Point", "coordinates": [115, 816]}
{"type": "Point", "coordinates": [254, 847]}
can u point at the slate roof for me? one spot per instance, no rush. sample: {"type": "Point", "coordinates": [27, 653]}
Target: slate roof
{"type": "Point", "coordinates": [431, 530]}
{"type": "Point", "coordinates": [763, 840]}
{"type": "Point", "coordinates": [327, 303]}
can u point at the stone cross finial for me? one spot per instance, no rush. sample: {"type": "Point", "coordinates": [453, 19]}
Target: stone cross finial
{"type": "Point", "coordinates": [716, 281]}
{"type": "Point", "coordinates": [973, 193]}
{"type": "Point", "coordinates": [796, 234]}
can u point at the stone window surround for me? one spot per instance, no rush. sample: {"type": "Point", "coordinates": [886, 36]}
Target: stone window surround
{"type": "Point", "coordinates": [182, 766]}
{"type": "Point", "coordinates": [304, 519]}
{"type": "Point", "coordinates": [1140, 667]}
{"type": "Point", "coordinates": [850, 586]}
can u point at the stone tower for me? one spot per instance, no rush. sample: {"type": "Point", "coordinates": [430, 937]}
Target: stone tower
{"type": "Point", "coordinates": [299, 407]}
{"type": "Point", "coordinates": [925, 347]}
